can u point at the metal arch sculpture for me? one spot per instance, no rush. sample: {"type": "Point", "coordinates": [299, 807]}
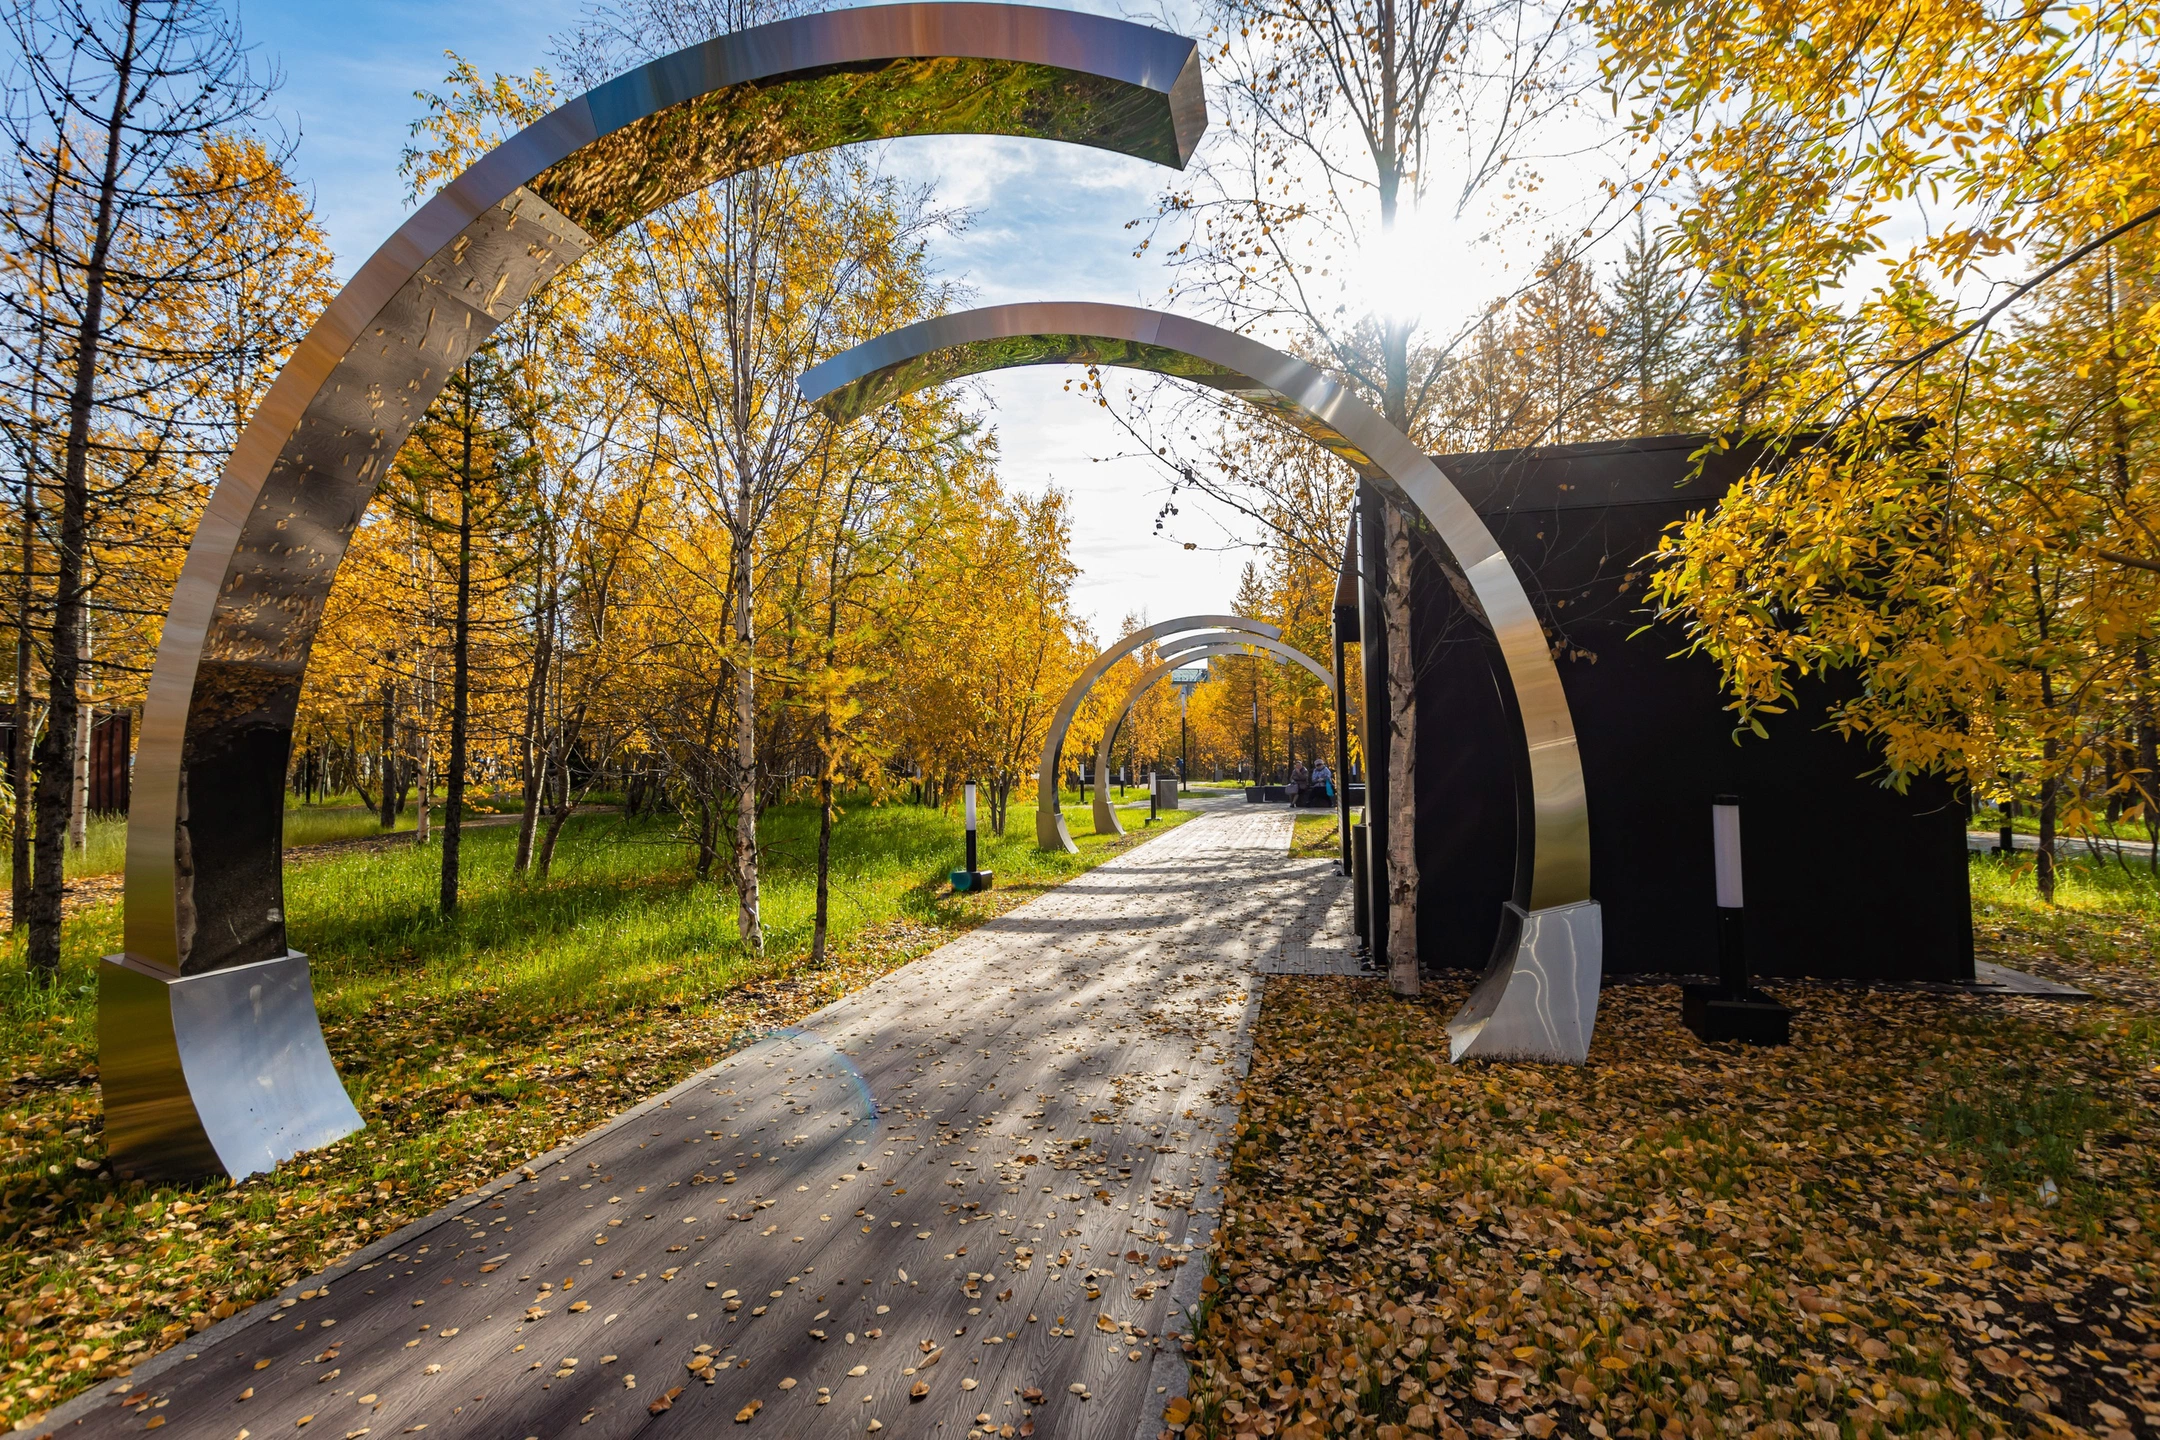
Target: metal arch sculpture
{"type": "Point", "coordinates": [1178, 652]}
{"type": "Point", "coordinates": [1223, 645]}
{"type": "Point", "coordinates": [1050, 829]}
{"type": "Point", "coordinates": [1182, 651]}
{"type": "Point", "coordinates": [1539, 999]}
{"type": "Point", "coordinates": [212, 1056]}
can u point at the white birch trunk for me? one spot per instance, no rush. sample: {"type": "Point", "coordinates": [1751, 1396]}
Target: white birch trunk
{"type": "Point", "coordinates": [743, 853]}
{"type": "Point", "coordinates": [1402, 871]}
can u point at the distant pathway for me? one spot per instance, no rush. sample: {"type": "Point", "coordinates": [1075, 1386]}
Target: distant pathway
{"type": "Point", "coordinates": [2069, 846]}
{"type": "Point", "coordinates": [987, 1180]}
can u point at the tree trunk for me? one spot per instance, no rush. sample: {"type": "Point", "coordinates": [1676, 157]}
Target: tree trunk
{"type": "Point", "coordinates": [424, 745]}
{"type": "Point", "coordinates": [742, 849]}
{"type": "Point", "coordinates": [79, 784]}
{"type": "Point", "coordinates": [53, 768]}
{"type": "Point", "coordinates": [460, 679]}
{"type": "Point", "coordinates": [559, 816]}
{"type": "Point", "coordinates": [25, 728]}
{"type": "Point", "coordinates": [386, 774]}
{"type": "Point", "coordinates": [2050, 791]}
{"type": "Point", "coordinates": [2044, 871]}
{"type": "Point", "coordinates": [1402, 877]}
{"type": "Point", "coordinates": [536, 755]}
{"type": "Point", "coordinates": [2148, 760]}
{"type": "Point", "coordinates": [705, 840]}
{"type": "Point", "coordinates": [824, 862]}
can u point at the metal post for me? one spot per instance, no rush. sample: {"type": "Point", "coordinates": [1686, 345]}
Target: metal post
{"type": "Point", "coordinates": [1373, 664]}
{"type": "Point", "coordinates": [1151, 797]}
{"type": "Point", "coordinates": [1732, 1009]}
{"type": "Point", "coordinates": [1732, 939]}
{"type": "Point", "coordinates": [971, 827]}
{"type": "Point", "coordinates": [971, 878]}
{"type": "Point", "coordinates": [1360, 907]}
{"type": "Point", "coordinates": [1342, 757]}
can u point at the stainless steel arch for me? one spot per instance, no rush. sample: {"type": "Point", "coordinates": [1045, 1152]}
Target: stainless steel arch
{"type": "Point", "coordinates": [200, 1071]}
{"type": "Point", "coordinates": [1177, 652]}
{"type": "Point", "coordinates": [1050, 829]}
{"type": "Point", "coordinates": [1562, 918]}
{"type": "Point", "coordinates": [1224, 645]}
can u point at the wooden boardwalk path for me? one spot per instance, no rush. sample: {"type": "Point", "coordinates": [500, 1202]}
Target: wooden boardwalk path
{"type": "Point", "coordinates": [971, 1199]}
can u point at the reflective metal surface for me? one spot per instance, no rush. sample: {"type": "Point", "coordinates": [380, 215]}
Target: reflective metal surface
{"type": "Point", "coordinates": [221, 1071]}
{"type": "Point", "coordinates": [1540, 1001]}
{"type": "Point", "coordinates": [1182, 651]}
{"type": "Point", "coordinates": [1050, 830]}
{"type": "Point", "coordinates": [1004, 336]}
{"type": "Point", "coordinates": [204, 888]}
{"type": "Point", "coordinates": [1106, 819]}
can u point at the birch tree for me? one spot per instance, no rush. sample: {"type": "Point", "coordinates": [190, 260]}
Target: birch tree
{"type": "Point", "coordinates": [109, 111]}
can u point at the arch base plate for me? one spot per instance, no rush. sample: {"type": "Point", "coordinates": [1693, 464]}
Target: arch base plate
{"type": "Point", "coordinates": [1051, 834]}
{"type": "Point", "coordinates": [225, 1070]}
{"type": "Point", "coordinates": [1541, 1001]}
{"type": "Point", "coordinates": [1106, 816]}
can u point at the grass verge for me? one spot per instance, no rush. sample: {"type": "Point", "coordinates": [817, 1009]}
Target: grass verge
{"type": "Point", "coordinates": [1317, 836]}
{"type": "Point", "coordinates": [468, 1045]}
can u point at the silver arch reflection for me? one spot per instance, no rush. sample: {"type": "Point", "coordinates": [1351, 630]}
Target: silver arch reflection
{"type": "Point", "coordinates": [1050, 829]}
{"type": "Point", "coordinates": [204, 885]}
{"type": "Point", "coordinates": [1220, 645]}
{"type": "Point", "coordinates": [1562, 916]}
{"type": "Point", "coordinates": [1177, 652]}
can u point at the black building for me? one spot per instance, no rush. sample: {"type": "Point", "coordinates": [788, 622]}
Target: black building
{"type": "Point", "coordinates": [1844, 877]}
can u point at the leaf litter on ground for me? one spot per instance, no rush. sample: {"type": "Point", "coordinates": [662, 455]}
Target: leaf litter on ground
{"type": "Point", "coordinates": [1932, 1215]}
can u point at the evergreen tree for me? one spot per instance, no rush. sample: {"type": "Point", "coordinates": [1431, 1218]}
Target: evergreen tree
{"type": "Point", "coordinates": [1651, 341]}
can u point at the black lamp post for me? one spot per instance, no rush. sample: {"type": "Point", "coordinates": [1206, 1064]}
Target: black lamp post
{"type": "Point", "coordinates": [970, 878]}
{"type": "Point", "coordinates": [1732, 1009]}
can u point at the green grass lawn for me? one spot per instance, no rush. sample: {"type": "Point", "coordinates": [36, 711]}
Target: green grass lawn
{"type": "Point", "coordinates": [105, 852]}
{"type": "Point", "coordinates": [468, 1045]}
{"type": "Point", "coordinates": [335, 817]}
{"type": "Point", "coordinates": [2104, 916]}
{"type": "Point", "coordinates": [1316, 836]}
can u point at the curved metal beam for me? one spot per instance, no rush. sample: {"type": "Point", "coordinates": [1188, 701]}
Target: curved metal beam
{"type": "Point", "coordinates": [1106, 819]}
{"type": "Point", "coordinates": [1192, 647]}
{"type": "Point", "coordinates": [1005, 336]}
{"type": "Point", "coordinates": [204, 883]}
{"type": "Point", "coordinates": [1050, 829]}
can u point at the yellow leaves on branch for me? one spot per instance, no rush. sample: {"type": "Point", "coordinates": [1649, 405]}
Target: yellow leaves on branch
{"type": "Point", "coordinates": [1976, 537]}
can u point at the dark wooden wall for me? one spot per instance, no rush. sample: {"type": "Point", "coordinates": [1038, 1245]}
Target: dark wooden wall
{"type": "Point", "coordinates": [1845, 879]}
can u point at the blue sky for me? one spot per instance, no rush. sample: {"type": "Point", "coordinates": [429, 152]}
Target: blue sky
{"type": "Point", "coordinates": [1047, 223]}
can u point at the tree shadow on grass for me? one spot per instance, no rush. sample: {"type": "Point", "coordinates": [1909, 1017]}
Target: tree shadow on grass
{"type": "Point", "coordinates": [622, 925]}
